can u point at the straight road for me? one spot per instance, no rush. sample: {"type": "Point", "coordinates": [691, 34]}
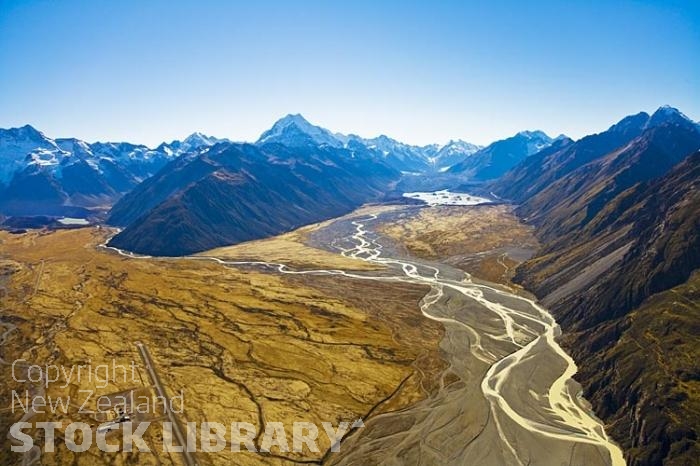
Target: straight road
{"type": "Point", "coordinates": [187, 456]}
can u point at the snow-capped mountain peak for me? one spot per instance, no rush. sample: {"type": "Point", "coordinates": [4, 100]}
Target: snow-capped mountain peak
{"type": "Point", "coordinates": [534, 134]}
{"type": "Point", "coordinates": [198, 139]}
{"type": "Point", "coordinates": [294, 130]}
{"type": "Point", "coordinates": [74, 146]}
{"type": "Point", "coordinates": [452, 153]}
{"type": "Point", "coordinates": [459, 146]}
{"type": "Point", "coordinates": [536, 140]}
{"type": "Point", "coordinates": [78, 173]}
{"type": "Point", "coordinates": [192, 143]}
{"type": "Point", "coordinates": [24, 146]}
{"type": "Point", "coordinates": [667, 114]}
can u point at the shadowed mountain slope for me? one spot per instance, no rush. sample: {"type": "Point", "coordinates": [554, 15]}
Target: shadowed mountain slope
{"type": "Point", "coordinates": [621, 242]}
{"type": "Point", "coordinates": [239, 192]}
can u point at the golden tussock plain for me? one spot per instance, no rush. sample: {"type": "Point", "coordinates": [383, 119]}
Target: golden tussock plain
{"type": "Point", "coordinates": [484, 240]}
{"type": "Point", "coordinates": [291, 248]}
{"type": "Point", "coordinates": [244, 343]}
{"type": "Point", "coordinates": [240, 344]}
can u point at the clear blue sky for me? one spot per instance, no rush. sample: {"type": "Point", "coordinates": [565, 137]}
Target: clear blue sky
{"type": "Point", "coordinates": [147, 71]}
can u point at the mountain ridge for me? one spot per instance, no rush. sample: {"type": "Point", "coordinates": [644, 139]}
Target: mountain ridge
{"type": "Point", "coordinates": [619, 231]}
{"type": "Point", "coordinates": [73, 175]}
{"type": "Point", "coordinates": [498, 157]}
{"type": "Point", "coordinates": [528, 178]}
{"type": "Point", "coordinates": [617, 282]}
{"type": "Point", "coordinates": [294, 130]}
{"type": "Point", "coordinates": [238, 192]}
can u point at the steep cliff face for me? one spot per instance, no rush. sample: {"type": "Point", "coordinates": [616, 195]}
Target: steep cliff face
{"type": "Point", "coordinates": [619, 269]}
{"type": "Point", "coordinates": [641, 374]}
{"type": "Point", "coordinates": [643, 241]}
{"type": "Point", "coordinates": [625, 291]}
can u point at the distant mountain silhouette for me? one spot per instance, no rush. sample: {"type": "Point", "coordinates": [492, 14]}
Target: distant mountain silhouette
{"type": "Point", "coordinates": [494, 160]}
{"type": "Point", "coordinates": [296, 131]}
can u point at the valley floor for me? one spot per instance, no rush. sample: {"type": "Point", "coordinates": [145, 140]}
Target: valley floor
{"type": "Point", "coordinates": [369, 316]}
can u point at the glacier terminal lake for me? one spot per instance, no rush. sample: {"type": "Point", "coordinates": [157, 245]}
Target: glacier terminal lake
{"type": "Point", "coordinates": [446, 197]}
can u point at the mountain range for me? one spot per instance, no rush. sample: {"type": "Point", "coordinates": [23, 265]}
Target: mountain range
{"type": "Point", "coordinates": [493, 161]}
{"type": "Point", "coordinates": [67, 176]}
{"type": "Point", "coordinates": [70, 177]}
{"type": "Point", "coordinates": [295, 173]}
{"type": "Point", "coordinates": [237, 192]}
{"type": "Point", "coordinates": [456, 157]}
{"type": "Point", "coordinates": [618, 215]}
{"type": "Point", "coordinates": [295, 131]}
{"type": "Point", "coordinates": [40, 175]}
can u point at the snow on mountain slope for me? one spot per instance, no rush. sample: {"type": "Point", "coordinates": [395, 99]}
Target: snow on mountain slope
{"type": "Point", "coordinates": [296, 131]}
{"type": "Point", "coordinates": [496, 159]}
{"type": "Point", "coordinates": [453, 153]}
{"type": "Point", "coordinates": [73, 172]}
{"type": "Point", "coordinates": [20, 147]}
{"type": "Point", "coordinates": [192, 143]}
